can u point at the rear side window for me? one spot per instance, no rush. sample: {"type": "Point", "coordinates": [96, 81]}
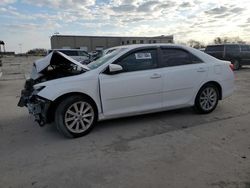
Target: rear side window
{"type": "Point", "coordinates": [216, 48]}
{"type": "Point", "coordinates": [177, 57]}
{"type": "Point", "coordinates": [244, 48]}
{"type": "Point", "coordinates": [232, 48]}
{"type": "Point", "coordinates": [139, 60]}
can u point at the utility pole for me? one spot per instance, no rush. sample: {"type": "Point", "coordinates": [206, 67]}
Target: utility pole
{"type": "Point", "coordinates": [2, 43]}
{"type": "Point", "coordinates": [20, 47]}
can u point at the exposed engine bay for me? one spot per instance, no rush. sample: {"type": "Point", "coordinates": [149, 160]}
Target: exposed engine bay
{"type": "Point", "coordinates": [55, 65]}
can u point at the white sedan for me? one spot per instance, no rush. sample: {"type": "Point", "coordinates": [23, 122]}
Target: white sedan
{"type": "Point", "coordinates": [131, 80]}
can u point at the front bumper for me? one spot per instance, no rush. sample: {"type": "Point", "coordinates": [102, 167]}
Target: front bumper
{"type": "Point", "coordinates": [37, 106]}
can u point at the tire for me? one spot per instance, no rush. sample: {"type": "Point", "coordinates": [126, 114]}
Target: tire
{"type": "Point", "coordinates": [75, 116]}
{"type": "Point", "coordinates": [236, 64]}
{"type": "Point", "coordinates": [206, 99]}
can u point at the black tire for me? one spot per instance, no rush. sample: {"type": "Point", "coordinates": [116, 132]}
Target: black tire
{"type": "Point", "coordinates": [67, 105]}
{"type": "Point", "coordinates": [200, 102]}
{"type": "Point", "coordinates": [236, 64]}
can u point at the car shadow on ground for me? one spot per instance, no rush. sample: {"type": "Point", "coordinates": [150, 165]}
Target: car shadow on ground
{"type": "Point", "coordinates": [152, 123]}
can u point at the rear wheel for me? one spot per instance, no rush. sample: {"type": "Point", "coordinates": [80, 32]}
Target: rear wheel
{"type": "Point", "coordinates": [236, 64]}
{"type": "Point", "coordinates": [75, 116]}
{"type": "Point", "coordinates": [207, 99]}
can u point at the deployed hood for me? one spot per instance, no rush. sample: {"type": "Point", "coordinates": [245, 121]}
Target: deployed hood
{"type": "Point", "coordinates": [53, 58]}
{"type": "Point", "coordinates": [55, 65]}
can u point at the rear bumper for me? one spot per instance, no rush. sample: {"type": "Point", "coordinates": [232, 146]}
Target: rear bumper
{"type": "Point", "coordinates": [227, 88]}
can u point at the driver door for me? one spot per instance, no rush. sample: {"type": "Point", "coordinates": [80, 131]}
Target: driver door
{"type": "Point", "coordinates": [137, 89]}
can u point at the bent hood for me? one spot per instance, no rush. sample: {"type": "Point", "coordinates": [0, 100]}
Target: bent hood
{"type": "Point", "coordinates": [53, 58]}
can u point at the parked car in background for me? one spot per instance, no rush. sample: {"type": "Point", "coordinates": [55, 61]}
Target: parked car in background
{"type": "Point", "coordinates": [94, 55]}
{"type": "Point", "coordinates": [77, 54]}
{"type": "Point", "coordinates": [1, 64]}
{"type": "Point", "coordinates": [237, 54]}
{"type": "Point", "coordinates": [202, 49]}
{"type": "Point", "coordinates": [130, 80]}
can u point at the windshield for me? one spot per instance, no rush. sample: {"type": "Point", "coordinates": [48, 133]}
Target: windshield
{"type": "Point", "coordinates": [104, 59]}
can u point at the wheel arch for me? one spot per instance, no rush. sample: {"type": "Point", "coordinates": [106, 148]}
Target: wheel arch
{"type": "Point", "coordinates": [215, 84]}
{"type": "Point", "coordinates": [54, 104]}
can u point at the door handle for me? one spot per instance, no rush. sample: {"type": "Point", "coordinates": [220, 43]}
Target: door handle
{"type": "Point", "coordinates": [155, 76]}
{"type": "Point", "coordinates": [201, 70]}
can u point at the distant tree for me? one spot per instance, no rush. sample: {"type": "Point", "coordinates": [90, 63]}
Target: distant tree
{"type": "Point", "coordinates": [195, 44]}
{"type": "Point", "coordinates": [218, 40]}
{"type": "Point", "coordinates": [37, 52]}
{"type": "Point", "coordinates": [223, 40]}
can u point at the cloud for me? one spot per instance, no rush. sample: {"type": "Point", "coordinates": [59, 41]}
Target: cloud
{"type": "Point", "coordinates": [124, 8]}
{"type": "Point", "coordinates": [188, 19]}
{"type": "Point", "coordinates": [217, 10]}
{"type": "Point", "coordinates": [148, 6]}
{"type": "Point", "coordinates": [6, 2]}
{"type": "Point", "coordinates": [185, 5]}
{"type": "Point", "coordinates": [237, 10]}
{"type": "Point", "coordinates": [62, 4]}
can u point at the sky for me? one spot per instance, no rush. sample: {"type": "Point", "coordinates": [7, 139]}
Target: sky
{"type": "Point", "coordinates": [29, 24]}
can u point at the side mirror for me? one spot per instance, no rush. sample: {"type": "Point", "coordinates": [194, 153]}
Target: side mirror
{"type": "Point", "coordinates": [114, 68]}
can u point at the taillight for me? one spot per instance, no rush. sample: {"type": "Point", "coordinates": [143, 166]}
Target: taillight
{"type": "Point", "coordinates": [231, 66]}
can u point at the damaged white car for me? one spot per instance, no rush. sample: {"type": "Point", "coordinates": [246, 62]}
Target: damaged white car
{"type": "Point", "coordinates": [131, 80]}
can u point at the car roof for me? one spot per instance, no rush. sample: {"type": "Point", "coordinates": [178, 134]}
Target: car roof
{"type": "Point", "coordinates": [65, 49]}
{"type": "Point", "coordinates": [134, 46]}
{"type": "Point", "coordinates": [231, 44]}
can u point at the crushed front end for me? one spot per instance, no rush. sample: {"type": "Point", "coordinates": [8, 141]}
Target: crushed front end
{"type": "Point", "coordinates": [36, 105]}
{"type": "Point", "coordinates": [55, 65]}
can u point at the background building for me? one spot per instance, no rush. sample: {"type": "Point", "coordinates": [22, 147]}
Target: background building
{"type": "Point", "coordinates": [92, 43]}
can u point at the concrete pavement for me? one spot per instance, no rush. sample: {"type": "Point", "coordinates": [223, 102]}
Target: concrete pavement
{"type": "Point", "coordinates": [174, 149]}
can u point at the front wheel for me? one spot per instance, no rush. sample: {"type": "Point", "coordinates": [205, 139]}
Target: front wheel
{"type": "Point", "coordinates": [75, 116]}
{"type": "Point", "coordinates": [207, 99]}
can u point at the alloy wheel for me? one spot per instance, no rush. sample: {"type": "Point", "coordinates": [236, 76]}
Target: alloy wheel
{"type": "Point", "coordinates": [208, 98]}
{"type": "Point", "coordinates": [79, 117]}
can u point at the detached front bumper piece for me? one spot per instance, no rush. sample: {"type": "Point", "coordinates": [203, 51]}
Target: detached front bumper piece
{"type": "Point", "coordinates": [36, 105]}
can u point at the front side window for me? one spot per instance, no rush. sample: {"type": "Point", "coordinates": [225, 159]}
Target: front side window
{"type": "Point", "coordinates": [177, 57]}
{"type": "Point", "coordinates": [139, 60]}
{"type": "Point", "coordinates": [102, 60]}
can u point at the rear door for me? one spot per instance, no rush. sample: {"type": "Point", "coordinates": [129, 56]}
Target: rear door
{"type": "Point", "coordinates": [232, 52]}
{"type": "Point", "coordinates": [137, 89]}
{"type": "Point", "coordinates": [182, 75]}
